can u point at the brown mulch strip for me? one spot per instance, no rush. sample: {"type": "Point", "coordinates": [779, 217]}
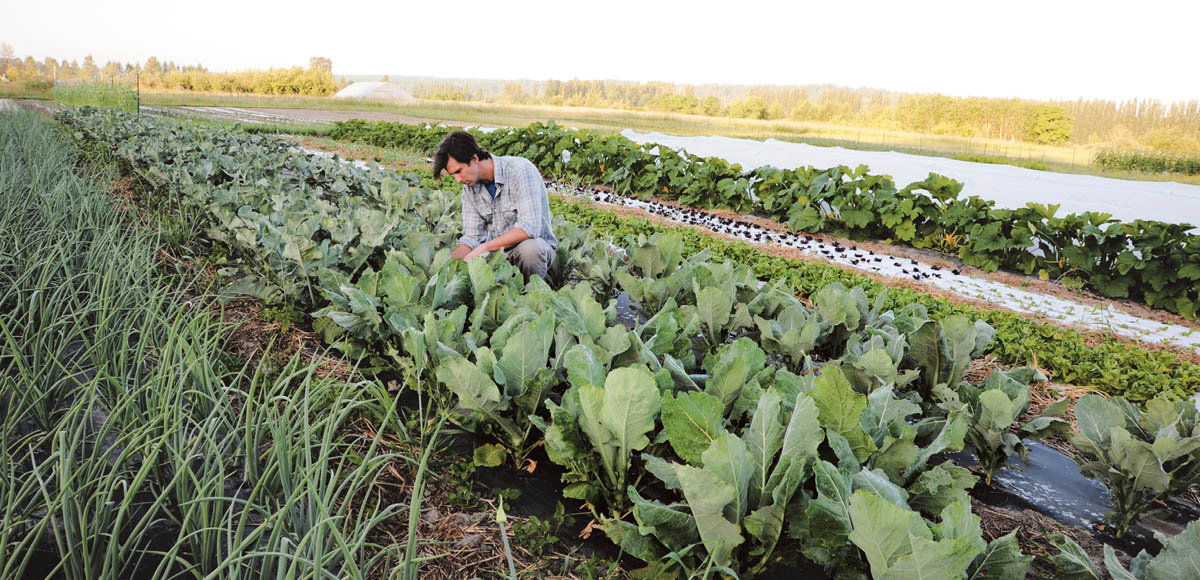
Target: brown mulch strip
{"type": "Point", "coordinates": [1042, 395]}
{"type": "Point", "coordinates": [124, 190]}
{"type": "Point", "coordinates": [254, 337]}
{"type": "Point", "coordinates": [980, 368]}
{"type": "Point", "coordinates": [1033, 535]}
{"type": "Point", "coordinates": [464, 542]}
{"type": "Point", "coordinates": [468, 545]}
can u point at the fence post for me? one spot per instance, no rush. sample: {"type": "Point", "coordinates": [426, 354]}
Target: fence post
{"type": "Point", "coordinates": [137, 76]}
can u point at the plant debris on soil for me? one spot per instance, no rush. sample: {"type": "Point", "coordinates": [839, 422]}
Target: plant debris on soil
{"type": "Point", "coordinates": [254, 337]}
{"type": "Point", "coordinates": [1034, 532]}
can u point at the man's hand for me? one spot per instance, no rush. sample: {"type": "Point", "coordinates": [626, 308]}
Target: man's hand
{"type": "Point", "coordinates": [507, 239]}
{"type": "Point", "coordinates": [478, 251]}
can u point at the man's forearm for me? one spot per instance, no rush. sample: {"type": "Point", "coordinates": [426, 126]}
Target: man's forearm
{"type": "Point", "coordinates": [507, 239]}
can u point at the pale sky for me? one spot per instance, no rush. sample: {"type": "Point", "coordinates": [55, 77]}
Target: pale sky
{"type": "Point", "coordinates": [1043, 49]}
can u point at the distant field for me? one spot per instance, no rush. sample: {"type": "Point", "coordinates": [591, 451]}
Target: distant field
{"type": "Point", "coordinates": [1054, 158]}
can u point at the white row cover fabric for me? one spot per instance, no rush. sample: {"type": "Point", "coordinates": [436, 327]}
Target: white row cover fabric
{"type": "Point", "coordinates": [1008, 186]}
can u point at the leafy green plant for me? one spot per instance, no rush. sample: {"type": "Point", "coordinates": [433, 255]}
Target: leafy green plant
{"type": "Point", "coordinates": [994, 408]}
{"type": "Point", "coordinates": [1175, 560]}
{"type": "Point", "coordinates": [899, 544]}
{"type": "Point", "coordinates": [735, 492]}
{"type": "Point", "coordinates": [942, 350]}
{"type": "Point", "coordinates": [1139, 455]}
{"type": "Point", "coordinates": [537, 535]}
{"type": "Point", "coordinates": [603, 419]}
{"type": "Point", "coordinates": [520, 368]}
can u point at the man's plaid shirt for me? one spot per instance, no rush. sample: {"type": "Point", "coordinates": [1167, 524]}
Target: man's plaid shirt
{"type": "Point", "coordinates": [520, 202]}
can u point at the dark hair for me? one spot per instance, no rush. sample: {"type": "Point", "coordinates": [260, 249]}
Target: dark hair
{"type": "Point", "coordinates": [460, 145]}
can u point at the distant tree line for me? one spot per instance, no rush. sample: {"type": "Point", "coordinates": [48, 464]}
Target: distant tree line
{"type": "Point", "coordinates": [316, 79]}
{"type": "Point", "coordinates": [1144, 124]}
{"type": "Point", "coordinates": [1138, 124]}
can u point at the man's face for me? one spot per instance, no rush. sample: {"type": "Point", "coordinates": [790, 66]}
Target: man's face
{"type": "Point", "coordinates": [464, 173]}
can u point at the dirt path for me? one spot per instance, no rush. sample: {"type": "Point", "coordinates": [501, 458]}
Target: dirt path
{"type": "Point", "coordinates": [258, 115]}
{"type": "Point", "coordinates": [329, 115]}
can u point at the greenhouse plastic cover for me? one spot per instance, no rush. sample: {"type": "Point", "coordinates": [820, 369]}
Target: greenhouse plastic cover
{"type": "Point", "coordinates": [374, 90]}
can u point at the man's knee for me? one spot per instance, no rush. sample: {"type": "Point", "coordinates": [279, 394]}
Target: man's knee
{"type": "Point", "coordinates": [532, 257]}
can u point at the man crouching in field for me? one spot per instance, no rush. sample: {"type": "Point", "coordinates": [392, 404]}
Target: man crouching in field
{"type": "Point", "coordinates": [504, 204]}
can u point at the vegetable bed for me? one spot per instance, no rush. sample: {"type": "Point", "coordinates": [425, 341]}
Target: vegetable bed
{"type": "Point", "coordinates": [728, 427]}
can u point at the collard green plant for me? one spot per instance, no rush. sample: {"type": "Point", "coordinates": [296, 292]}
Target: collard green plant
{"type": "Point", "coordinates": [603, 419]}
{"type": "Point", "coordinates": [898, 543]}
{"type": "Point", "coordinates": [1072, 562]}
{"type": "Point", "coordinates": [994, 408]}
{"type": "Point", "coordinates": [735, 490]}
{"type": "Point", "coordinates": [942, 350]}
{"type": "Point", "coordinates": [1138, 455]}
{"type": "Point", "coordinates": [517, 377]}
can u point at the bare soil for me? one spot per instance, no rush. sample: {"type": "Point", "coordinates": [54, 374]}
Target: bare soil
{"type": "Point", "coordinates": [330, 115]}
